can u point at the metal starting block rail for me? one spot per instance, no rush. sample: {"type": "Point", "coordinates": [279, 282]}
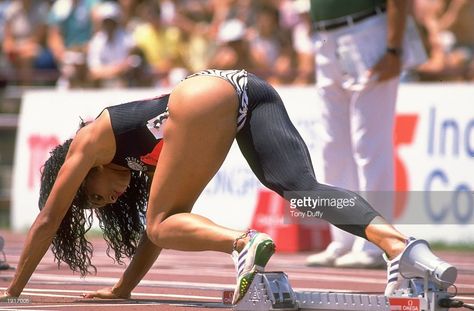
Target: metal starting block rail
{"type": "Point", "coordinates": [272, 291]}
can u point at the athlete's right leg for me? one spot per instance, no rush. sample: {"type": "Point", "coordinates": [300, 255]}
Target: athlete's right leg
{"type": "Point", "coordinates": [280, 159]}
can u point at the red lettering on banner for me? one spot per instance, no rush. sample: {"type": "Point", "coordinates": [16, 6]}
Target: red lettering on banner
{"type": "Point", "coordinates": [39, 147]}
{"type": "Point", "coordinates": [404, 132]}
{"type": "Point", "coordinates": [404, 304]}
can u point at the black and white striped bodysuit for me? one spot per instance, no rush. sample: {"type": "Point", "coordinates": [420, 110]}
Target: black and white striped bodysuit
{"type": "Point", "coordinates": [238, 79]}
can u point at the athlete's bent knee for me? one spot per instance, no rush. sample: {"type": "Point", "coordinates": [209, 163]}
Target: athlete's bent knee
{"type": "Point", "coordinates": [153, 228]}
{"type": "Point", "coordinates": [152, 231]}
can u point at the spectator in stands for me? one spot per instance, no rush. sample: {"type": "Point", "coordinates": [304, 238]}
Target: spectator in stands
{"type": "Point", "coordinates": [459, 19]}
{"type": "Point", "coordinates": [109, 56]}
{"type": "Point", "coordinates": [193, 18]}
{"type": "Point", "coordinates": [25, 27]}
{"type": "Point", "coordinates": [130, 16]}
{"type": "Point", "coordinates": [161, 44]}
{"type": "Point", "coordinates": [302, 44]}
{"type": "Point", "coordinates": [270, 46]}
{"type": "Point", "coordinates": [233, 49]}
{"type": "Point", "coordinates": [4, 4]}
{"type": "Point", "coordinates": [71, 24]}
{"type": "Point", "coordinates": [449, 37]}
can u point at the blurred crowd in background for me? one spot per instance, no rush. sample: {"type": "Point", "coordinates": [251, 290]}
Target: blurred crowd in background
{"type": "Point", "coordinates": [143, 43]}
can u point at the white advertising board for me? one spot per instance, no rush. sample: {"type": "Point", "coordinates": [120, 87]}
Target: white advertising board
{"type": "Point", "coordinates": [434, 147]}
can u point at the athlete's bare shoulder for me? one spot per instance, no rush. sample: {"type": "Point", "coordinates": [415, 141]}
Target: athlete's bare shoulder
{"type": "Point", "coordinates": [96, 140]}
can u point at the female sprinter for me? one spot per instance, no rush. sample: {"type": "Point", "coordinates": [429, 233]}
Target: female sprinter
{"type": "Point", "coordinates": [184, 135]}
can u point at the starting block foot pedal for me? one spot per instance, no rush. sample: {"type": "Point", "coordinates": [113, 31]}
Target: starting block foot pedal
{"type": "Point", "coordinates": [268, 291]}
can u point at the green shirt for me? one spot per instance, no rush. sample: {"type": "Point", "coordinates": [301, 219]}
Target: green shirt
{"type": "Point", "coordinates": [322, 10]}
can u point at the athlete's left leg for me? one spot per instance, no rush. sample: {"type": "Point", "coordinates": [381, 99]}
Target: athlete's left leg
{"type": "Point", "coordinates": [279, 157]}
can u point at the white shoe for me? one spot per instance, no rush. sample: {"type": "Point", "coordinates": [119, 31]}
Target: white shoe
{"type": "Point", "coordinates": [252, 259]}
{"type": "Point", "coordinates": [327, 257]}
{"type": "Point", "coordinates": [394, 279]}
{"type": "Point", "coordinates": [361, 260]}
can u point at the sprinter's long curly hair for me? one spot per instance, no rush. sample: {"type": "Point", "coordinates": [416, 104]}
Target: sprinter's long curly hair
{"type": "Point", "coordinates": [122, 222]}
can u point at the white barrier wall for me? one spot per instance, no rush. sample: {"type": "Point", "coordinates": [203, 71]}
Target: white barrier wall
{"type": "Point", "coordinates": [434, 147]}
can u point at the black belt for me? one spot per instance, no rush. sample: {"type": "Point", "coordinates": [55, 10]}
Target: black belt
{"type": "Point", "coordinates": [346, 20]}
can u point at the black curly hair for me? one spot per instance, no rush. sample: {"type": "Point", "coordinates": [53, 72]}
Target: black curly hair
{"type": "Point", "coordinates": [122, 222]}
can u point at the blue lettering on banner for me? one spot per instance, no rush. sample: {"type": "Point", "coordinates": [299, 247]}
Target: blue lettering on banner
{"type": "Point", "coordinates": [461, 203]}
{"type": "Point", "coordinates": [469, 138]}
{"type": "Point", "coordinates": [448, 136]}
{"type": "Point", "coordinates": [449, 126]}
{"type": "Point", "coordinates": [429, 205]}
{"type": "Point", "coordinates": [464, 191]}
{"type": "Point", "coordinates": [431, 131]}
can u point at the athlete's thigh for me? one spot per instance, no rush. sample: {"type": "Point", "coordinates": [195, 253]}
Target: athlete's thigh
{"type": "Point", "coordinates": [275, 150]}
{"type": "Point", "coordinates": [197, 137]}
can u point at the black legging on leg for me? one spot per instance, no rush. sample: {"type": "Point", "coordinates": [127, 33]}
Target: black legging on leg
{"type": "Point", "coordinates": [280, 159]}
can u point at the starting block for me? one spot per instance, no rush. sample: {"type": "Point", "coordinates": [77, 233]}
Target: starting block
{"type": "Point", "coordinates": [272, 291]}
{"type": "Point", "coordinates": [428, 277]}
{"type": "Point", "coordinates": [269, 291]}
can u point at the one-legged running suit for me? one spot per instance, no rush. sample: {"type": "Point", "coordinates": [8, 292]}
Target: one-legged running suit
{"type": "Point", "coordinates": [267, 138]}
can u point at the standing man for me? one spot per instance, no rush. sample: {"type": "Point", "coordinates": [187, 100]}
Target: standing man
{"type": "Point", "coordinates": [358, 62]}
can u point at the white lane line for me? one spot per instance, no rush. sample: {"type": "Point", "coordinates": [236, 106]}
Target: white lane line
{"type": "Point", "coordinates": [48, 293]}
{"type": "Point", "coordinates": [176, 296]}
{"type": "Point", "coordinates": [219, 286]}
{"type": "Point", "coordinates": [95, 280]}
{"type": "Point", "coordinates": [464, 297]}
{"type": "Point", "coordinates": [39, 290]}
{"type": "Point", "coordinates": [29, 293]}
{"type": "Point", "coordinates": [87, 306]}
{"type": "Point", "coordinates": [15, 308]}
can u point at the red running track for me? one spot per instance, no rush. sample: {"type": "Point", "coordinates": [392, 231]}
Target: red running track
{"type": "Point", "coordinates": [188, 281]}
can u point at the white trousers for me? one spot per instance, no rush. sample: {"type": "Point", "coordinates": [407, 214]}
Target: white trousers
{"type": "Point", "coordinates": [356, 133]}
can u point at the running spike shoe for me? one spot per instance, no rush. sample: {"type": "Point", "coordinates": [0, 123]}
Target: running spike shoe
{"type": "Point", "coordinates": [394, 278]}
{"type": "Point", "coordinates": [252, 259]}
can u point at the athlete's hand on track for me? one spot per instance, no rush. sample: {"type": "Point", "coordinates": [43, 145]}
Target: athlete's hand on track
{"type": "Point", "coordinates": [106, 293]}
{"type": "Point", "coordinates": [4, 296]}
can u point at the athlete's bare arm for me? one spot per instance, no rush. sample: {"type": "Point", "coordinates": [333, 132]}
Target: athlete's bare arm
{"type": "Point", "coordinates": [82, 156]}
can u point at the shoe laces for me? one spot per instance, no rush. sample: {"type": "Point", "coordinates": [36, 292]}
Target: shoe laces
{"type": "Point", "coordinates": [236, 254]}
{"type": "Point", "coordinates": [249, 233]}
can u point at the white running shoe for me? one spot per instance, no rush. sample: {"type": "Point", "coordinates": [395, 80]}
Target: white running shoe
{"type": "Point", "coordinates": [252, 259]}
{"type": "Point", "coordinates": [394, 278]}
